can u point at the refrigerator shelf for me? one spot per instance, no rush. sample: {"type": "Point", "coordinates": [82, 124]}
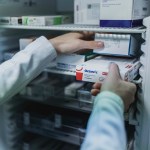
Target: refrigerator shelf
{"type": "Point", "coordinates": [68, 103]}
{"type": "Point", "coordinates": [60, 71]}
{"type": "Point", "coordinates": [73, 27]}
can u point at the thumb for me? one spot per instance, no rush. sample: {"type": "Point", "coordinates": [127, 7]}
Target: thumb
{"type": "Point", "coordinates": [91, 44]}
{"type": "Point", "coordinates": [114, 73]}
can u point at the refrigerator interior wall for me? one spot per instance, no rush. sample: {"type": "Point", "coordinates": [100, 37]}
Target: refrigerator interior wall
{"type": "Point", "coordinates": [142, 134]}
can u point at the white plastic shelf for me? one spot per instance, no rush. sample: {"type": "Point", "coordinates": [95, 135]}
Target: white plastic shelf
{"type": "Point", "coordinates": [60, 71]}
{"type": "Point", "coordinates": [73, 27]}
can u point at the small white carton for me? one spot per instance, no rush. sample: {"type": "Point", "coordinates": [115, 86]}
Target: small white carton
{"type": "Point", "coordinates": [71, 89]}
{"type": "Point", "coordinates": [123, 13]}
{"type": "Point", "coordinates": [118, 44]}
{"type": "Point", "coordinates": [96, 70]}
{"type": "Point", "coordinates": [70, 61]}
{"type": "Point", "coordinates": [87, 12]}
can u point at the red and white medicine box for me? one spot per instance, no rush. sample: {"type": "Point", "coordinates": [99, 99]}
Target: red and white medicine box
{"type": "Point", "coordinates": [96, 70]}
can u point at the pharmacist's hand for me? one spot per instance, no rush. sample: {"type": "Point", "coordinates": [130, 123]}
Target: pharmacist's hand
{"type": "Point", "coordinates": [115, 84]}
{"type": "Point", "coordinates": [73, 42]}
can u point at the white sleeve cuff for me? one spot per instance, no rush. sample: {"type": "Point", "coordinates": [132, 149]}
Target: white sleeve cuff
{"type": "Point", "coordinates": [42, 44]}
{"type": "Point", "coordinates": [110, 96]}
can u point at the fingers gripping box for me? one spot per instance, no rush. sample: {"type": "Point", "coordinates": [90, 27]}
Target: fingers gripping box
{"type": "Point", "coordinates": [96, 70]}
{"type": "Point", "coordinates": [118, 44]}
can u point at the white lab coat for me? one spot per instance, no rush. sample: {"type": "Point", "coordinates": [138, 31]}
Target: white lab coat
{"type": "Point", "coordinates": [17, 72]}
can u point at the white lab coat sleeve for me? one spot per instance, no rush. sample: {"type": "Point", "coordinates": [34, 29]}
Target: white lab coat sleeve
{"type": "Point", "coordinates": [17, 72]}
{"type": "Point", "coordinates": [106, 129]}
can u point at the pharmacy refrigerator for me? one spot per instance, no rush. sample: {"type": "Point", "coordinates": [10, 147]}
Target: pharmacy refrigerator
{"type": "Point", "coordinates": [37, 118]}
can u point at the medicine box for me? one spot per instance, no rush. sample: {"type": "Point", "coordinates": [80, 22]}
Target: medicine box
{"type": "Point", "coordinates": [16, 20]}
{"type": "Point", "coordinates": [42, 88]}
{"type": "Point", "coordinates": [66, 19]}
{"type": "Point", "coordinates": [5, 20]}
{"type": "Point", "coordinates": [71, 89]}
{"type": "Point", "coordinates": [96, 70]}
{"type": "Point", "coordinates": [23, 42]}
{"type": "Point", "coordinates": [118, 44]}
{"type": "Point", "coordinates": [46, 20]}
{"type": "Point", "coordinates": [84, 94]}
{"type": "Point", "coordinates": [123, 13]}
{"type": "Point", "coordinates": [87, 12]}
{"type": "Point", "coordinates": [70, 61]}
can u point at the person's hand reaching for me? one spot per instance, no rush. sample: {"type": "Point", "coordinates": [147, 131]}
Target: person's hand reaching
{"type": "Point", "coordinates": [73, 42]}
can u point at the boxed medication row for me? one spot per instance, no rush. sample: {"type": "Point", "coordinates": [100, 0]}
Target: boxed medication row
{"type": "Point", "coordinates": [32, 142]}
{"type": "Point", "coordinates": [49, 116]}
{"type": "Point", "coordinates": [72, 126]}
{"type": "Point", "coordinates": [11, 20]}
{"type": "Point", "coordinates": [96, 70]}
{"type": "Point", "coordinates": [37, 20]}
{"type": "Point", "coordinates": [111, 13]}
{"type": "Point", "coordinates": [118, 44]}
{"type": "Point", "coordinates": [46, 20]}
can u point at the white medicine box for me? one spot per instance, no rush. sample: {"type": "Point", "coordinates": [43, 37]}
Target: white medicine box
{"type": "Point", "coordinates": [87, 12]}
{"type": "Point", "coordinates": [125, 45]}
{"type": "Point", "coordinates": [123, 13]}
{"type": "Point", "coordinates": [70, 61]}
{"type": "Point", "coordinates": [96, 70]}
{"type": "Point", "coordinates": [23, 42]}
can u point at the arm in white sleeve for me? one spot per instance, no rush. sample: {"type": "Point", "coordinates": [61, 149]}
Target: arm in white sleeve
{"type": "Point", "coordinates": [106, 129]}
{"type": "Point", "coordinates": [17, 72]}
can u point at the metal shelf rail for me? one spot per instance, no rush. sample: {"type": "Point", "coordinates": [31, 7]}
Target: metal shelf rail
{"type": "Point", "coordinates": [73, 27]}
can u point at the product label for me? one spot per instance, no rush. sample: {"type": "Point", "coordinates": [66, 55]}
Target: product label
{"type": "Point", "coordinates": [90, 75]}
{"type": "Point", "coordinates": [115, 47]}
{"type": "Point", "coordinates": [109, 7]}
{"type": "Point", "coordinates": [93, 11]}
{"type": "Point", "coordinates": [141, 9]}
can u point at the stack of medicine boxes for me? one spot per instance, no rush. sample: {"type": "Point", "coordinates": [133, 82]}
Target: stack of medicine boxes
{"type": "Point", "coordinates": [88, 66]}
{"type": "Point", "coordinates": [102, 13]}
